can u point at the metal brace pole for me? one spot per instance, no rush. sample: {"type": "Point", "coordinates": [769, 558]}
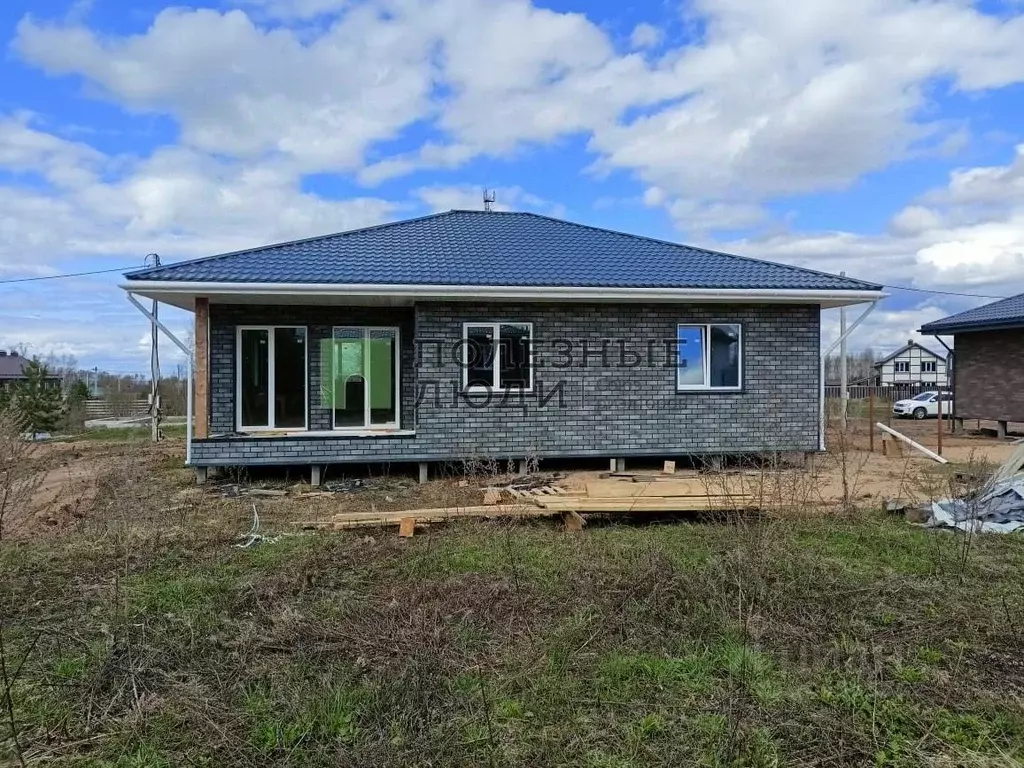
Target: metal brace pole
{"type": "Point", "coordinates": [821, 372]}
{"type": "Point", "coordinates": [188, 356]}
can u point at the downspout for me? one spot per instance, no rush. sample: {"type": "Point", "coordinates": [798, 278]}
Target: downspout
{"type": "Point", "coordinates": [821, 373]}
{"type": "Point", "coordinates": [950, 374]}
{"type": "Point", "coordinates": [188, 357]}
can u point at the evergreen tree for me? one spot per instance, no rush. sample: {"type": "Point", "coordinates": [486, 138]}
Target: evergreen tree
{"type": "Point", "coordinates": [78, 393]}
{"type": "Point", "coordinates": [37, 399]}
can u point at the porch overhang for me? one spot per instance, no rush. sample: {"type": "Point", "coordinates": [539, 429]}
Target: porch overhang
{"type": "Point", "coordinates": [183, 294]}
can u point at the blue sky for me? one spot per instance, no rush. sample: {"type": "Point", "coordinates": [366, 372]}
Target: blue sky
{"type": "Point", "coordinates": [878, 137]}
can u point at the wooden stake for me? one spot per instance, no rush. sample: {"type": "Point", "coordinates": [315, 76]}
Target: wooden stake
{"type": "Point", "coordinates": [871, 420]}
{"type": "Point", "coordinates": [573, 521]}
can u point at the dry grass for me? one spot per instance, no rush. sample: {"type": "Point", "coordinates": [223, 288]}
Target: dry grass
{"type": "Point", "coordinates": [145, 638]}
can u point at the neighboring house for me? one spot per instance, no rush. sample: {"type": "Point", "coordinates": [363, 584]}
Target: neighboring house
{"type": "Point", "coordinates": [507, 335]}
{"type": "Point", "coordinates": [911, 364]}
{"type": "Point", "coordinates": [988, 370]}
{"type": "Point", "coordinates": [12, 367]}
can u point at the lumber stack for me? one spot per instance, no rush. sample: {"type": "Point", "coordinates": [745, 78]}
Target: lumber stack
{"type": "Point", "coordinates": [618, 493]}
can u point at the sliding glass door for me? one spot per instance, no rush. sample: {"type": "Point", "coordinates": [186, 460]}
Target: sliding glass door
{"type": "Point", "coordinates": [271, 382]}
{"type": "Point", "coordinates": [365, 375]}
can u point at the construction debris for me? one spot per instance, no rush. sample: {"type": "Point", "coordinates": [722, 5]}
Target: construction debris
{"type": "Point", "coordinates": [998, 507]}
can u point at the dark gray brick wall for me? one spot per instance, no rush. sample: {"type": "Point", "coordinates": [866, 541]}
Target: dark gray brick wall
{"type": "Point", "coordinates": [988, 375]}
{"type": "Point", "coordinates": [604, 409]}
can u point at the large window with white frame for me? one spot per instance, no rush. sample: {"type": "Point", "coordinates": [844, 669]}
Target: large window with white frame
{"type": "Point", "coordinates": [497, 356]}
{"type": "Point", "coordinates": [710, 356]}
{"type": "Point", "coordinates": [271, 377]}
{"type": "Point", "coordinates": [365, 363]}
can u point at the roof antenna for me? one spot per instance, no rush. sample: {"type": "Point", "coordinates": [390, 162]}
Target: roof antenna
{"type": "Point", "coordinates": [489, 198]}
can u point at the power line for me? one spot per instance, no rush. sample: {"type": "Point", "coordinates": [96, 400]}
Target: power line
{"type": "Point", "coordinates": [69, 274]}
{"type": "Point", "coordinates": [945, 293]}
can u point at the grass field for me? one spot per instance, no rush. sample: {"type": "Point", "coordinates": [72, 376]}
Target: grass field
{"type": "Point", "coordinates": [830, 642]}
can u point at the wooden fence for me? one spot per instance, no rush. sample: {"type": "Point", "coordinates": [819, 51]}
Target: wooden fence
{"type": "Point", "coordinates": [888, 393]}
{"type": "Point", "coordinates": [102, 408]}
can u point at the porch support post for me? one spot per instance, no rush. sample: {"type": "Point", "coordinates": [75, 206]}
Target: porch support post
{"type": "Point", "coordinates": [1001, 429]}
{"type": "Point", "coordinates": [202, 341]}
{"type": "Point", "coordinates": [423, 472]}
{"type": "Point", "coordinates": [316, 475]}
{"type": "Point", "coordinates": [200, 475]}
{"type": "Point", "coordinates": [521, 469]}
{"type": "Point", "coordinates": [620, 465]}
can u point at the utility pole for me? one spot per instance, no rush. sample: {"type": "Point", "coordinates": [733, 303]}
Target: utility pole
{"type": "Point", "coordinates": [154, 365]}
{"type": "Point", "coordinates": [844, 394]}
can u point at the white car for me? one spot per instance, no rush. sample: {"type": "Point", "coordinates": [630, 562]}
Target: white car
{"type": "Point", "coordinates": [924, 405]}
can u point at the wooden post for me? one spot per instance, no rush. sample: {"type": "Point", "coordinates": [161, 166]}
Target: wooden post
{"type": "Point", "coordinates": [202, 369]}
{"type": "Point", "coordinates": [939, 426]}
{"type": "Point", "coordinates": [871, 419]}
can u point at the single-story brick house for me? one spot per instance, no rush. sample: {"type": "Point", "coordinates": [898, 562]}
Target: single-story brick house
{"type": "Point", "coordinates": [508, 335]}
{"type": "Point", "coordinates": [988, 354]}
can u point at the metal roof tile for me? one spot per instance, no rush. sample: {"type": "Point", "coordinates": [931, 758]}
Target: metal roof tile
{"type": "Point", "coordinates": [496, 249]}
{"type": "Point", "coordinates": [1005, 313]}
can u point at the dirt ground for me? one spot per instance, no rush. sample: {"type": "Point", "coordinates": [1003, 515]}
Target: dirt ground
{"type": "Point", "coordinates": [81, 481]}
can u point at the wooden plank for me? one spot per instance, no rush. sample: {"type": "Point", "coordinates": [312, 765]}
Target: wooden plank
{"type": "Point", "coordinates": [670, 468]}
{"type": "Point", "coordinates": [358, 520]}
{"type": "Point", "coordinates": [443, 513]}
{"type": "Point", "coordinates": [407, 527]}
{"type": "Point", "coordinates": [639, 504]}
{"type": "Point", "coordinates": [492, 496]}
{"type": "Point", "coordinates": [201, 406]}
{"type": "Point", "coordinates": [680, 487]}
{"type": "Point", "coordinates": [903, 438]}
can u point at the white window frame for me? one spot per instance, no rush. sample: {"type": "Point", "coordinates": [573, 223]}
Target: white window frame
{"type": "Point", "coordinates": [896, 366]}
{"type": "Point", "coordinates": [271, 379]}
{"type": "Point", "coordinates": [367, 426]}
{"type": "Point", "coordinates": [934, 366]}
{"type": "Point", "coordinates": [495, 326]}
{"type": "Point", "coordinates": [706, 359]}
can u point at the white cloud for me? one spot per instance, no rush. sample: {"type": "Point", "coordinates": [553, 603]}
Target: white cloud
{"type": "Point", "coordinates": [765, 102]}
{"type": "Point", "coordinates": [468, 197]}
{"type": "Point", "coordinates": [176, 202]}
{"type": "Point", "coordinates": [243, 90]}
{"type": "Point", "coordinates": [645, 35]}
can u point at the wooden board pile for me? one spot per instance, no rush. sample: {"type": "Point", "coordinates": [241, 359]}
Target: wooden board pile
{"type": "Point", "coordinates": [616, 493]}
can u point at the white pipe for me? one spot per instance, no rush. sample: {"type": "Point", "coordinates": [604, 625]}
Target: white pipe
{"type": "Point", "coordinates": [188, 356]}
{"type": "Point", "coordinates": [821, 372]}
